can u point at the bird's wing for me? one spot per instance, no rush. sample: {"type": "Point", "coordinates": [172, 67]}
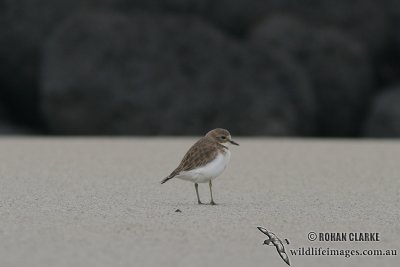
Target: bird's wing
{"type": "Point", "coordinates": [264, 231]}
{"type": "Point", "coordinates": [279, 246]}
{"type": "Point", "coordinates": [198, 155]}
{"type": "Point", "coordinates": [281, 251]}
{"type": "Point", "coordinates": [284, 257]}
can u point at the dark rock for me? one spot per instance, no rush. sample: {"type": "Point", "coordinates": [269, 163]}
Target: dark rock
{"type": "Point", "coordinates": [388, 62]}
{"type": "Point", "coordinates": [384, 118]}
{"type": "Point", "coordinates": [238, 16]}
{"type": "Point", "coordinates": [266, 93]}
{"type": "Point", "coordinates": [111, 74]}
{"type": "Point", "coordinates": [362, 19]}
{"type": "Point", "coordinates": [392, 8]}
{"type": "Point", "coordinates": [174, 6]}
{"type": "Point", "coordinates": [337, 65]}
{"type": "Point", "coordinates": [9, 128]}
{"type": "Point", "coordinates": [24, 26]}
{"type": "Point", "coordinates": [140, 72]}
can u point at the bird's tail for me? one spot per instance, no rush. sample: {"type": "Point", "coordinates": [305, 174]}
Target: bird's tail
{"type": "Point", "coordinates": [166, 179]}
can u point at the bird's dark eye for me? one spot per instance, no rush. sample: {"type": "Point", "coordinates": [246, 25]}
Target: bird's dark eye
{"type": "Point", "coordinates": [223, 137]}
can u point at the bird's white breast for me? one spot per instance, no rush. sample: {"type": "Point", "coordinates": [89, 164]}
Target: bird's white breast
{"type": "Point", "coordinates": [209, 171]}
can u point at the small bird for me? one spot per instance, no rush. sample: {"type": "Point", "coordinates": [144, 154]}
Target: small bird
{"type": "Point", "coordinates": [273, 240]}
{"type": "Point", "coordinates": [205, 160]}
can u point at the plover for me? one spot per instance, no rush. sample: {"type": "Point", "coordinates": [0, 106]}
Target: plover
{"type": "Point", "coordinates": [205, 160]}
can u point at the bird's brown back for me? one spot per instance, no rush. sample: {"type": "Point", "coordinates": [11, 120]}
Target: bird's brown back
{"type": "Point", "coordinates": [201, 153]}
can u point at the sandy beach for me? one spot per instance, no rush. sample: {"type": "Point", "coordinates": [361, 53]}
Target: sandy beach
{"type": "Point", "coordinates": [98, 202]}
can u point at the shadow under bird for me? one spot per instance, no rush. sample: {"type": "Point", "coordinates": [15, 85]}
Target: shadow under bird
{"type": "Point", "coordinates": [205, 160]}
{"type": "Point", "coordinates": [273, 240]}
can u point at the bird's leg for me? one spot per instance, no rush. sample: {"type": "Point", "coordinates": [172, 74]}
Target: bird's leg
{"type": "Point", "coordinates": [212, 200]}
{"type": "Point", "coordinates": [197, 193]}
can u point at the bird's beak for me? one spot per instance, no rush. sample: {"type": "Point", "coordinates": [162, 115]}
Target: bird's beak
{"type": "Point", "coordinates": [233, 142]}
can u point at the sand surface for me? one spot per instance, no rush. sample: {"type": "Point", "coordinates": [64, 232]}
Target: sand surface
{"type": "Point", "coordinates": [98, 202]}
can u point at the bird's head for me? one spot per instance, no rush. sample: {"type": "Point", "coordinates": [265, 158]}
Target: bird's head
{"type": "Point", "coordinates": [221, 136]}
{"type": "Point", "coordinates": [268, 242]}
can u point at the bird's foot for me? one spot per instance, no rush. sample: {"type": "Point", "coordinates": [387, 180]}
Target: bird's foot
{"type": "Point", "coordinates": [213, 203]}
{"type": "Point", "coordinates": [199, 202]}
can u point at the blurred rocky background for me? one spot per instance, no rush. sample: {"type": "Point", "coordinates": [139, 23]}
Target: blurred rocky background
{"type": "Point", "coordinates": [150, 67]}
